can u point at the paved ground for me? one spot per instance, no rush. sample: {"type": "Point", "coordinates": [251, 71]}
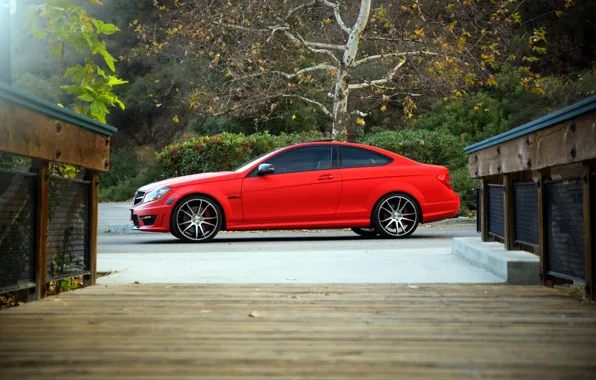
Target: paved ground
{"type": "Point", "coordinates": [282, 257]}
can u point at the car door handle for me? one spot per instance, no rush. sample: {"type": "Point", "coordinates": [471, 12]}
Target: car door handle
{"type": "Point", "coordinates": [323, 177]}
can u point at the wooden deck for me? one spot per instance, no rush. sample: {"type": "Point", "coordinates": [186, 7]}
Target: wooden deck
{"type": "Point", "coordinates": [300, 332]}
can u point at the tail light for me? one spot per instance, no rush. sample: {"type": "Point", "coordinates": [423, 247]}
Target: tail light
{"type": "Point", "coordinates": [446, 180]}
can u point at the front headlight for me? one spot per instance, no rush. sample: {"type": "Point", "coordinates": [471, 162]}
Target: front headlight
{"type": "Point", "coordinates": [156, 194]}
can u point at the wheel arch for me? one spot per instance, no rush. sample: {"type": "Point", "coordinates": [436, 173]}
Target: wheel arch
{"type": "Point", "coordinates": [397, 192]}
{"type": "Point", "coordinates": [204, 194]}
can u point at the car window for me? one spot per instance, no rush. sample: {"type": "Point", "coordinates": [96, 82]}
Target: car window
{"type": "Point", "coordinates": [357, 158]}
{"type": "Point", "coordinates": [303, 160]}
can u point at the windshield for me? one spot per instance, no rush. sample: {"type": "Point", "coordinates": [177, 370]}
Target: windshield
{"type": "Point", "coordinates": [252, 162]}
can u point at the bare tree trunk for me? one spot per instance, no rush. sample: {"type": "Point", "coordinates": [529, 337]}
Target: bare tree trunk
{"type": "Point", "coordinates": [340, 107]}
{"type": "Point", "coordinates": [341, 125]}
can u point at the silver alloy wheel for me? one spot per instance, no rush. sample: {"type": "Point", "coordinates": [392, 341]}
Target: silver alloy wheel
{"type": "Point", "coordinates": [398, 216]}
{"type": "Point", "coordinates": [197, 219]}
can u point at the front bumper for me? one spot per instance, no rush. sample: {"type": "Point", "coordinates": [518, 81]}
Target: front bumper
{"type": "Point", "coordinates": [153, 216]}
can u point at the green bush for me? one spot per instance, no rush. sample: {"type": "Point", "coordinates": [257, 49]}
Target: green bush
{"type": "Point", "coordinates": [430, 147]}
{"type": "Point", "coordinates": [129, 170]}
{"type": "Point", "coordinates": [223, 152]}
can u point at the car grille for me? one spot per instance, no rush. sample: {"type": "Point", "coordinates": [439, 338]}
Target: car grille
{"type": "Point", "coordinates": [138, 197]}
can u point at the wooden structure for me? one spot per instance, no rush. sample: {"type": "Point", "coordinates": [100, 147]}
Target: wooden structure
{"type": "Point", "coordinates": [343, 331]}
{"type": "Point", "coordinates": [538, 191]}
{"type": "Point", "coordinates": [48, 224]}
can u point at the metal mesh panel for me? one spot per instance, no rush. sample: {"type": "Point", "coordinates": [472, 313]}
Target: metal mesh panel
{"type": "Point", "coordinates": [526, 213]}
{"type": "Point", "coordinates": [565, 228]}
{"type": "Point", "coordinates": [68, 228]}
{"type": "Point", "coordinates": [496, 212]}
{"type": "Point", "coordinates": [17, 231]}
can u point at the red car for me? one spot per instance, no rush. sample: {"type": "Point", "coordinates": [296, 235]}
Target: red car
{"type": "Point", "coordinates": [320, 184]}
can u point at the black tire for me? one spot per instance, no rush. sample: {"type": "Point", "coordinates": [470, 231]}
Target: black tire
{"type": "Point", "coordinates": [404, 219]}
{"type": "Point", "coordinates": [201, 215]}
{"type": "Point", "coordinates": [366, 232]}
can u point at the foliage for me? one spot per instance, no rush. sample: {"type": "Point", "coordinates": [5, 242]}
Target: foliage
{"type": "Point", "coordinates": [479, 116]}
{"type": "Point", "coordinates": [318, 53]}
{"type": "Point", "coordinates": [129, 171]}
{"type": "Point", "coordinates": [68, 25]}
{"type": "Point", "coordinates": [226, 151]}
{"type": "Point", "coordinates": [430, 147]}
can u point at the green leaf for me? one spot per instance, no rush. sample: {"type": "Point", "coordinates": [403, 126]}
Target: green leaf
{"type": "Point", "coordinates": [73, 89]}
{"type": "Point", "coordinates": [101, 73]}
{"type": "Point", "coordinates": [86, 97]}
{"type": "Point", "coordinates": [103, 28]}
{"type": "Point", "coordinates": [116, 81]}
{"type": "Point", "coordinates": [39, 33]}
{"type": "Point", "coordinates": [99, 111]}
{"type": "Point", "coordinates": [72, 70]}
{"type": "Point", "coordinates": [56, 50]}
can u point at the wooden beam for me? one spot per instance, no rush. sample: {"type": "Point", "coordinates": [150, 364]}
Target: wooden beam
{"type": "Point", "coordinates": [542, 238]}
{"type": "Point", "coordinates": [32, 134]}
{"type": "Point", "coordinates": [588, 248]}
{"type": "Point", "coordinates": [484, 209]}
{"type": "Point", "coordinates": [565, 143]}
{"type": "Point", "coordinates": [509, 212]}
{"type": "Point", "coordinates": [93, 177]}
{"type": "Point", "coordinates": [41, 221]}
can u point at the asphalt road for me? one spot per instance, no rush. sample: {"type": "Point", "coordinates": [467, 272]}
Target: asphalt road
{"type": "Point", "coordinates": [288, 257]}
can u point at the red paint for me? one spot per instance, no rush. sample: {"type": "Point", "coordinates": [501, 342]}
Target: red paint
{"type": "Point", "coordinates": [320, 198]}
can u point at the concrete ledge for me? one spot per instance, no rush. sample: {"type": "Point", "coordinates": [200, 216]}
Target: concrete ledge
{"type": "Point", "coordinates": [514, 267]}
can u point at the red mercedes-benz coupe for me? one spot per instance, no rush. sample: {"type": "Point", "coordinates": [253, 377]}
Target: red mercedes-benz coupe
{"type": "Point", "coordinates": [320, 184]}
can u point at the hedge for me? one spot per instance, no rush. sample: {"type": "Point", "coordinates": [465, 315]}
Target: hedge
{"type": "Point", "coordinates": [223, 152]}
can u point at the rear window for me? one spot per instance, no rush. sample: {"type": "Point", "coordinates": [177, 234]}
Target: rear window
{"type": "Point", "coordinates": [352, 157]}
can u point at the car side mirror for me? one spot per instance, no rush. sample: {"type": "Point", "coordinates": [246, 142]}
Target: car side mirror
{"type": "Point", "coordinates": [265, 169]}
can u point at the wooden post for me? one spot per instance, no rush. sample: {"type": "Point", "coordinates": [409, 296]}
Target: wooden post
{"type": "Point", "coordinates": [542, 241]}
{"type": "Point", "coordinates": [509, 211]}
{"type": "Point", "coordinates": [42, 228]}
{"type": "Point", "coordinates": [588, 249]}
{"type": "Point", "coordinates": [484, 211]}
{"type": "Point", "coordinates": [93, 177]}
{"type": "Point", "coordinates": [5, 60]}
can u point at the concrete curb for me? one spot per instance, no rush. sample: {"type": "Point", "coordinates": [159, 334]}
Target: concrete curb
{"type": "Point", "coordinates": [514, 267]}
{"type": "Point", "coordinates": [117, 229]}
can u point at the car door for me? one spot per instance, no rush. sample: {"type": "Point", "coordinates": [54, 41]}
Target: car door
{"type": "Point", "coordinates": [305, 186]}
{"type": "Point", "coordinates": [362, 171]}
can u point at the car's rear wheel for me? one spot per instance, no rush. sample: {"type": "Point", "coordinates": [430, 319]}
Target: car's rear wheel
{"type": "Point", "coordinates": [366, 232]}
{"type": "Point", "coordinates": [396, 216]}
{"type": "Point", "coordinates": [196, 219]}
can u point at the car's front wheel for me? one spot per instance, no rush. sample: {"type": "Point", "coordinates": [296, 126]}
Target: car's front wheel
{"type": "Point", "coordinates": [196, 219]}
{"type": "Point", "coordinates": [366, 232]}
{"type": "Point", "coordinates": [396, 216]}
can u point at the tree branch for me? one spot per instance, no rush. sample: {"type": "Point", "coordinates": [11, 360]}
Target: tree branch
{"type": "Point", "coordinates": [337, 15]}
{"type": "Point", "coordinates": [286, 75]}
{"type": "Point", "coordinates": [389, 55]}
{"type": "Point", "coordinates": [323, 108]}
{"type": "Point", "coordinates": [377, 82]}
{"type": "Point", "coordinates": [302, 42]}
{"type": "Point", "coordinates": [303, 6]}
{"type": "Point", "coordinates": [393, 39]}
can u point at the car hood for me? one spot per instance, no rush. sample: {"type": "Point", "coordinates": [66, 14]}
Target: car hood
{"type": "Point", "coordinates": [190, 180]}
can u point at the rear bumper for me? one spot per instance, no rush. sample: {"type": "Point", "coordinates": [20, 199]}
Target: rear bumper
{"type": "Point", "coordinates": [440, 211]}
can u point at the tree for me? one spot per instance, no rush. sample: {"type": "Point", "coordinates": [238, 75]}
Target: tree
{"type": "Point", "coordinates": [342, 59]}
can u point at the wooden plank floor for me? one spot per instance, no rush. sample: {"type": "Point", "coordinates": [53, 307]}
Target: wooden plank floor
{"type": "Point", "coordinates": [301, 332]}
